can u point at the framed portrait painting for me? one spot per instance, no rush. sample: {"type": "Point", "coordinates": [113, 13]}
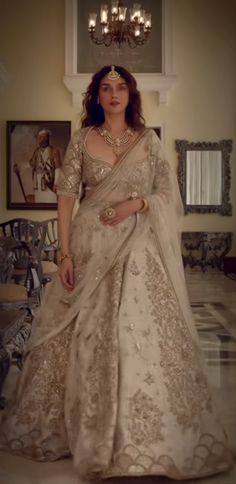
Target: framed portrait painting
{"type": "Point", "coordinates": [35, 151]}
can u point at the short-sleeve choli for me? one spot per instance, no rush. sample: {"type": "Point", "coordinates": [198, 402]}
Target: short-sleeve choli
{"type": "Point", "coordinates": [80, 168]}
{"type": "Point", "coordinates": [71, 172]}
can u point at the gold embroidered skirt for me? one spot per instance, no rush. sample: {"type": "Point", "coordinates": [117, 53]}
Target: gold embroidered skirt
{"type": "Point", "coordinates": [122, 388]}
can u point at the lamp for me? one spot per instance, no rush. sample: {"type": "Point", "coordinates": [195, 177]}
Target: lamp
{"type": "Point", "coordinates": [116, 27]}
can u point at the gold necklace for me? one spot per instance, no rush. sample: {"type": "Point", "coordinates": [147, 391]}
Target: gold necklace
{"type": "Point", "coordinates": [118, 142]}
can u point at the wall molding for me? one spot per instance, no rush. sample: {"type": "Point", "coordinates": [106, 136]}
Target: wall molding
{"type": "Point", "coordinates": [77, 83]}
{"type": "Point", "coordinates": [4, 77]}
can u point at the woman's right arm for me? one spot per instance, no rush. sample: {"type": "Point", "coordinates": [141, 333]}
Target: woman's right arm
{"type": "Point", "coordinates": [67, 192]}
{"type": "Point", "coordinates": [65, 208]}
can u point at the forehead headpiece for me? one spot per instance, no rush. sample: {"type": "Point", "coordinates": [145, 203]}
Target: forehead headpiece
{"type": "Point", "coordinates": [113, 75]}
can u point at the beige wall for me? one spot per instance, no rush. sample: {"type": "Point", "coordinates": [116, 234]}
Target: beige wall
{"type": "Point", "coordinates": [201, 105]}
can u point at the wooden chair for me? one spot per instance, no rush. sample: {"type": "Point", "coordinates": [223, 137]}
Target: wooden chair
{"type": "Point", "coordinates": [43, 237]}
{"type": "Point", "coordinates": [16, 303]}
{"type": "Point", "coordinates": [51, 245]}
{"type": "Point", "coordinates": [20, 274]}
{"type": "Point", "coordinates": [24, 229]}
{"type": "Point", "coordinates": [32, 233]}
{"type": "Point", "coordinates": [50, 250]}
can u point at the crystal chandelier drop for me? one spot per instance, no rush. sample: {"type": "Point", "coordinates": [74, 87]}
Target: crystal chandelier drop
{"type": "Point", "coordinates": [116, 27]}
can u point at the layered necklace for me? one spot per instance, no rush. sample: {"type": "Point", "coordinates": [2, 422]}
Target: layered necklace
{"type": "Point", "coordinates": [118, 142]}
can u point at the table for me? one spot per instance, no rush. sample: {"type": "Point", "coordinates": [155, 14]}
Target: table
{"type": "Point", "coordinates": [206, 249]}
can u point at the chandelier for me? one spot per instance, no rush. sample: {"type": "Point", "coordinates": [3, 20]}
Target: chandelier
{"type": "Point", "coordinates": [116, 27]}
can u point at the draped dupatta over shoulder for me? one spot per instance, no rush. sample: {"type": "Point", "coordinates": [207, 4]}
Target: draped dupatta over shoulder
{"type": "Point", "coordinates": [144, 169]}
{"type": "Point", "coordinates": [114, 373]}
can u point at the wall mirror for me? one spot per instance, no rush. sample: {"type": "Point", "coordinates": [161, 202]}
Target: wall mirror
{"type": "Point", "coordinates": [204, 176]}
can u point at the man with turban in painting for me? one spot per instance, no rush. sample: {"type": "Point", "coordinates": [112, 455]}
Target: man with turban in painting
{"type": "Point", "coordinates": [44, 164]}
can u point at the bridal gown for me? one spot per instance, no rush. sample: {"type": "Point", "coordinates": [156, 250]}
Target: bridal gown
{"type": "Point", "coordinates": [114, 374]}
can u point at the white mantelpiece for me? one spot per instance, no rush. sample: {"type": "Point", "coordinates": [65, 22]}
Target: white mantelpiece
{"type": "Point", "coordinates": [77, 83]}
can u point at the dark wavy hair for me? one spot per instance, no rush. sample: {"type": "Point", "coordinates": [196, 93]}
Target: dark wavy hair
{"type": "Point", "coordinates": [93, 114]}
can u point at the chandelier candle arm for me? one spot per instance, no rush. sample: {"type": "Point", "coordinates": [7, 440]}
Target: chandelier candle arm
{"type": "Point", "coordinates": [104, 14]}
{"type": "Point", "coordinates": [148, 21]}
{"type": "Point", "coordinates": [92, 21]}
{"type": "Point", "coordinates": [137, 8]}
{"type": "Point", "coordinates": [114, 7]}
{"type": "Point", "coordinates": [115, 26]}
{"type": "Point", "coordinates": [122, 13]}
{"type": "Point", "coordinates": [142, 17]}
{"type": "Point", "coordinates": [105, 29]}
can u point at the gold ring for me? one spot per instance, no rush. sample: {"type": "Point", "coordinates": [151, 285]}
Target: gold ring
{"type": "Point", "coordinates": [110, 212]}
{"type": "Point", "coordinates": [133, 195]}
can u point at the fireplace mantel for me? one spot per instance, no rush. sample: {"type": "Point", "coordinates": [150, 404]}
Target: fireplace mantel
{"type": "Point", "coordinates": [161, 82]}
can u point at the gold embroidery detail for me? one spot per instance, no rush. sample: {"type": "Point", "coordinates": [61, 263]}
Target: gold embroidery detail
{"type": "Point", "coordinates": [130, 328]}
{"type": "Point", "coordinates": [42, 394]}
{"type": "Point", "coordinates": [149, 378]}
{"type": "Point", "coordinates": [94, 171]}
{"type": "Point", "coordinates": [133, 268]}
{"type": "Point", "coordinates": [131, 462]}
{"type": "Point", "coordinates": [145, 420]}
{"type": "Point", "coordinates": [146, 333]}
{"type": "Point", "coordinates": [187, 386]}
{"type": "Point", "coordinates": [94, 410]}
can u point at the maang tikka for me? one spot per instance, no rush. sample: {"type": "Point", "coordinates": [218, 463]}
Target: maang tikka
{"type": "Point", "coordinates": [113, 75]}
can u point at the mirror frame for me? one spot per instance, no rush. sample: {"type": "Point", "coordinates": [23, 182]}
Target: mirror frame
{"type": "Point", "coordinates": [225, 146]}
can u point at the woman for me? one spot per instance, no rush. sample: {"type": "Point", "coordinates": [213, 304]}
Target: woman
{"type": "Point", "coordinates": [114, 373]}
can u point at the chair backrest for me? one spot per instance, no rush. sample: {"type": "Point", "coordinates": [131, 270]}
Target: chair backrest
{"type": "Point", "coordinates": [19, 263]}
{"type": "Point", "coordinates": [51, 238]}
{"type": "Point", "coordinates": [22, 229]}
{"type": "Point", "coordinates": [51, 243]}
{"type": "Point", "coordinates": [7, 259]}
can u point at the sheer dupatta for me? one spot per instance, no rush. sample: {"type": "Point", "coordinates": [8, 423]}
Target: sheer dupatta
{"type": "Point", "coordinates": [166, 216]}
{"type": "Point", "coordinates": [143, 166]}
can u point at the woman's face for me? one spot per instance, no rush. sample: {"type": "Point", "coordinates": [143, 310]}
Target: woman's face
{"type": "Point", "coordinates": [113, 95]}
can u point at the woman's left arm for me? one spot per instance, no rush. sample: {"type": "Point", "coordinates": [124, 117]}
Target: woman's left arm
{"type": "Point", "coordinates": [161, 186]}
{"type": "Point", "coordinates": [121, 211]}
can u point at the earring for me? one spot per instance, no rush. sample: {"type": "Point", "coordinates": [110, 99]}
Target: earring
{"type": "Point", "coordinates": [98, 100]}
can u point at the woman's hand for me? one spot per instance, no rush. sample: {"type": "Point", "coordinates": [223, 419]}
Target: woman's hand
{"type": "Point", "coordinates": [122, 211]}
{"type": "Point", "coordinates": [66, 272]}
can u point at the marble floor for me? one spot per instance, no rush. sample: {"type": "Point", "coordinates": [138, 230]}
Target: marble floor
{"type": "Point", "coordinates": [213, 300]}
